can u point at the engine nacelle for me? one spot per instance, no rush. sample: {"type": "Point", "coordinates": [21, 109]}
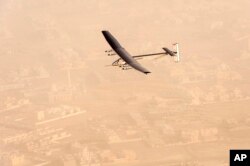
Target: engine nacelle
{"type": "Point", "coordinates": [108, 50]}
{"type": "Point", "coordinates": [111, 54]}
{"type": "Point", "coordinates": [126, 68]}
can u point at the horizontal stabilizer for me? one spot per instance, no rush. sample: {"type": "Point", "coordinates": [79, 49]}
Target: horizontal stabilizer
{"type": "Point", "coordinates": [168, 51]}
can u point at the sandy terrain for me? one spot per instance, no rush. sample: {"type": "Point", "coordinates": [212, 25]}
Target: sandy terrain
{"type": "Point", "coordinates": [61, 105]}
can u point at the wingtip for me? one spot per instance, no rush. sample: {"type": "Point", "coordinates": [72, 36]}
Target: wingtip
{"type": "Point", "coordinates": [147, 72]}
{"type": "Point", "coordinates": [104, 31]}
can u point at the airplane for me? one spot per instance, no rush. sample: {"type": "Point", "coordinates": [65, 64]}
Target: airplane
{"type": "Point", "coordinates": [127, 61]}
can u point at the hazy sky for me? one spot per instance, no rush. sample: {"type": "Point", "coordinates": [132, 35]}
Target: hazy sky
{"type": "Point", "coordinates": [45, 37]}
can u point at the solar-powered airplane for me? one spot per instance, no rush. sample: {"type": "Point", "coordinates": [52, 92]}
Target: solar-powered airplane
{"type": "Point", "coordinates": [126, 61]}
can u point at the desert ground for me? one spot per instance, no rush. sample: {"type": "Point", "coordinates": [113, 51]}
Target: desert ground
{"type": "Point", "coordinates": [62, 105]}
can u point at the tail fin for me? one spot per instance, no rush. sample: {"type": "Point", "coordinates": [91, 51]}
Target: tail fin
{"type": "Point", "coordinates": [177, 52]}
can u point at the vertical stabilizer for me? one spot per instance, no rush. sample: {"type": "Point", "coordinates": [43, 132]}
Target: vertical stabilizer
{"type": "Point", "coordinates": [177, 52]}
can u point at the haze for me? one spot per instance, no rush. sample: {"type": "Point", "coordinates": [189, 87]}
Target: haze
{"type": "Point", "coordinates": [61, 105]}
